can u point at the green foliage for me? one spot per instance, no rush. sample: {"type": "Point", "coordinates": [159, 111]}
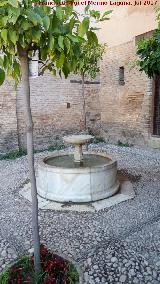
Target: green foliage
{"type": "Point", "coordinates": [24, 261]}
{"type": "Point", "coordinates": [2, 76]}
{"type": "Point", "coordinates": [56, 32]}
{"type": "Point", "coordinates": [119, 143]}
{"type": "Point", "coordinates": [57, 147]}
{"type": "Point", "coordinates": [13, 155]}
{"type": "Point", "coordinates": [4, 277]}
{"type": "Point", "coordinates": [98, 139]}
{"type": "Point", "coordinates": [148, 51]}
{"type": "Point", "coordinates": [72, 275]}
{"type": "Point", "coordinates": [90, 55]}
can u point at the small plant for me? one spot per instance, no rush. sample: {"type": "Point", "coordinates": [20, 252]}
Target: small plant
{"type": "Point", "coordinates": [90, 131]}
{"type": "Point", "coordinates": [72, 275]}
{"type": "Point", "coordinates": [56, 146]}
{"type": "Point", "coordinates": [4, 277]}
{"type": "Point", "coordinates": [55, 270]}
{"type": "Point", "coordinates": [13, 155]}
{"type": "Point", "coordinates": [97, 140]}
{"type": "Point", "coordinates": [126, 144]}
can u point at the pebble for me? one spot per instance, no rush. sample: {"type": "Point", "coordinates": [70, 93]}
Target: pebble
{"type": "Point", "coordinates": [122, 278]}
{"type": "Point", "coordinates": [4, 253]}
{"type": "Point", "coordinates": [31, 251]}
{"type": "Point", "coordinates": [114, 259]}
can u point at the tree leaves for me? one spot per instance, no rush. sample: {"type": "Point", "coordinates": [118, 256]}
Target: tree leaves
{"type": "Point", "coordinates": [13, 14]}
{"type": "Point", "coordinates": [104, 16]}
{"type": "Point", "coordinates": [13, 3]}
{"type": "Point", "coordinates": [34, 17]}
{"type": "Point", "coordinates": [51, 42]}
{"type": "Point", "coordinates": [60, 60]}
{"type": "Point", "coordinates": [4, 34]}
{"type": "Point", "coordinates": [89, 57]}
{"type": "Point", "coordinates": [46, 22]}
{"type": "Point", "coordinates": [60, 42]}
{"type": "Point", "coordinates": [92, 37]}
{"type": "Point", "coordinates": [83, 27]}
{"type": "Point", "coordinates": [36, 35]}
{"type": "Point", "coordinates": [148, 51]}
{"type": "Point", "coordinates": [59, 12]}
{"type": "Point", "coordinates": [26, 25]}
{"type": "Point", "coordinates": [58, 33]}
{"type": "Point", "coordinates": [13, 36]}
{"type": "Point", "coordinates": [2, 76]}
{"type": "Point", "coordinates": [3, 3]}
{"type": "Point", "coordinates": [67, 44]}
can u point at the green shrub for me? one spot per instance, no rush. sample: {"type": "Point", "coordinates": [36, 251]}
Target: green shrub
{"type": "Point", "coordinates": [13, 154]}
{"type": "Point", "coordinates": [4, 277]}
{"type": "Point", "coordinates": [97, 140]}
{"type": "Point", "coordinates": [23, 271]}
{"type": "Point", "coordinates": [126, 144]}
{"type": "Point", "coordinates": [56, 146]}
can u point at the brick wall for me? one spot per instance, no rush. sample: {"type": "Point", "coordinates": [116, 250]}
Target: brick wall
{"type": "Point", "coordinates": [125, 109]}
{"type": "Point", "coordinates": [52, 119]}
{"type": "Point", "coordinates": [8, 120]}
{"type": "Point", "coordinates": [116, 112]}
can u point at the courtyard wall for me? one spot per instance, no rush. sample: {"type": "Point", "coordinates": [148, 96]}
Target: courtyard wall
{"type": "Point", "coordinates": [57, 108]}
{"type": "Point", "coordinates": [125, 108]}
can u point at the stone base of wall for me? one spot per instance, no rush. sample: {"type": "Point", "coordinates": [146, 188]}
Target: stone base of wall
{"type": "Point", "coordinates": [154, 142]}
{"type": "Point", "coordinates": [43, 139]}
{"type": "Point", "coordinates": [9, 142]}
{"type": "Point", "coordinates": [119, 133]}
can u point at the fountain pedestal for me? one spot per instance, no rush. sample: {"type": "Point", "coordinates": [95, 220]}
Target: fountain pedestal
{"type": "Point", "coordinates": [78, 141]}
{"type": "Point", "coordinates": [78, 154]}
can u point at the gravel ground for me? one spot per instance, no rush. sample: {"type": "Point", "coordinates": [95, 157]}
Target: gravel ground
{"type": "Point", "coordinates": [117, 245]}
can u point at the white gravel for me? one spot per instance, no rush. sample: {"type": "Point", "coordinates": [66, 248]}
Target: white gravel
{"type": "Point", "coordinates": [116, 245]}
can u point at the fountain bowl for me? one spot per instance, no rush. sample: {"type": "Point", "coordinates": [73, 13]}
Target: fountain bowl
{"type": "Point", "coordinates": [61, 180]}
{"type": "Point", "coordinates": [78, 139]}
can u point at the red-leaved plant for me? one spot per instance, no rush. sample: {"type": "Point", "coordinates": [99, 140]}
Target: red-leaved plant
{"type": "Point", "coordinates": [54, 270]}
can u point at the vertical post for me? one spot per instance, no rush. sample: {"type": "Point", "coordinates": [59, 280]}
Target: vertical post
{"type": "Point", "coordinates": [84, 102]}
{"type": "Point", "coordinates": [78, 154]}
{"type": "Point", "coordinates": [30, 152]}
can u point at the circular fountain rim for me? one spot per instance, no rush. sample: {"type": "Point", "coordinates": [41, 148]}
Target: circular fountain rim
{"type": "Point", "coordinates": [108, 165]}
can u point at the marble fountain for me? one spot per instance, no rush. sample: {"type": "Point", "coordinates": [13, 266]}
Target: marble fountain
{"type": "Point", "coordinates": [79, 180]}
{"type": "Point", "coordinates": [78, 176]}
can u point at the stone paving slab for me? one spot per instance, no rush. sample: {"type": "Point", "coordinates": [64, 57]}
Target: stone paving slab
{"type": "Point", "coordinates": [125, 192]}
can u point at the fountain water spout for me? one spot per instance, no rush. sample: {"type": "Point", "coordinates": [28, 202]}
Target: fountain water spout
{"type": "Point", "coordinates": [78, 141]}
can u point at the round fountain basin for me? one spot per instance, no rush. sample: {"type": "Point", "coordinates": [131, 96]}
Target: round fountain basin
{"type": "Point", "coordinates": [60, 179]}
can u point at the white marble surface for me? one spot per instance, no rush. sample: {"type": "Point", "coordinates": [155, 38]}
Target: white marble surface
{"type": "Point", "coordinates": [77, 184]}
{"type": "Point", "coordinates": [126, 192]}
{"type": "Point", "coordinates": [78, 139]}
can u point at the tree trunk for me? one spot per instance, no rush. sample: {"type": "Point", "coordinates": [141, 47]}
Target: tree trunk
{"type": "Point", "coordinates": [30, 152]}
{"type": "Point", "coordinates": [84, 108]}
{"type": "Point", "coordinates": [84, 102]}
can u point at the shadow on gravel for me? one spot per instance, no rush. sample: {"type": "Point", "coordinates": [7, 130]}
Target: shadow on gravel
{"type": "Point", "coordinates": [123, 173]}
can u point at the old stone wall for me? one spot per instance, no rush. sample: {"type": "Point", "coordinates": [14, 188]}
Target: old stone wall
{"type": "Point", "coordinates": [8, 120]}
{"type": "Point", "coordinates": [125, 109]}
{"type": "Point", "coordinates": [57, 109]}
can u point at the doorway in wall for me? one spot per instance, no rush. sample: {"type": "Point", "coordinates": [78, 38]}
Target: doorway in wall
{"type": "Point", "coordinates": [156, 107]}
